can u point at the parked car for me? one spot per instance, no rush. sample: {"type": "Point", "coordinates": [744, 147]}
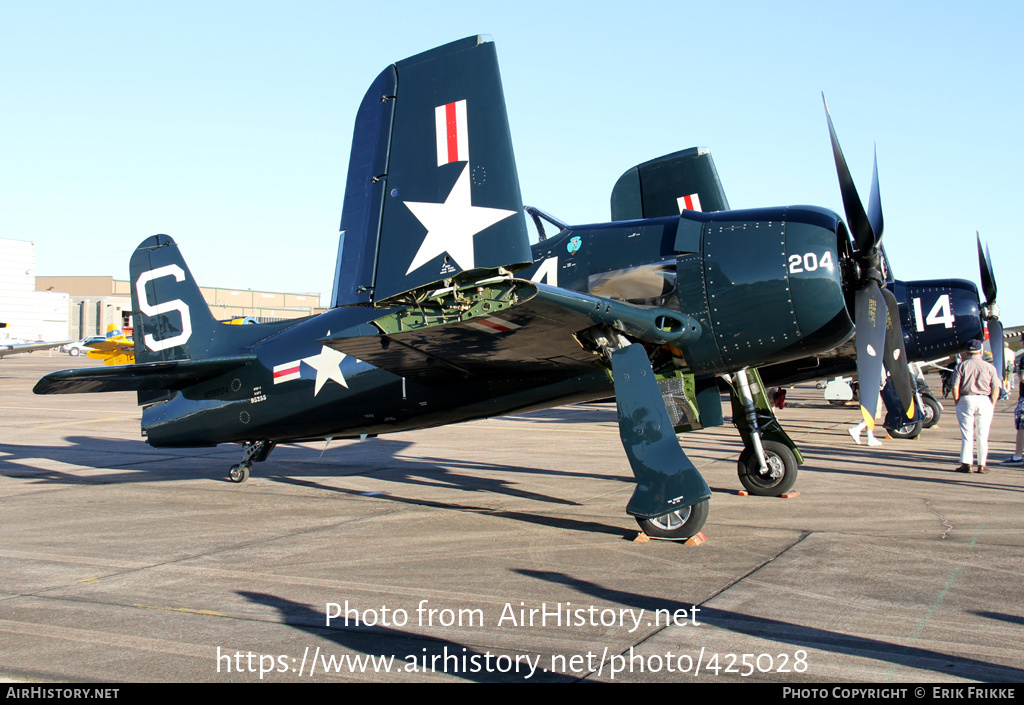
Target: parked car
{"type": "Point", "coordinates": [77, 348]}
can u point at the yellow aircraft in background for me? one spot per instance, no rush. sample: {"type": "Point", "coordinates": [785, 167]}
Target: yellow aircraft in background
{"type": "Point", "coordinates": [115, 349]}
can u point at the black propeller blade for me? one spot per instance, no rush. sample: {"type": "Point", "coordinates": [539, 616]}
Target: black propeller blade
{"type": "Point", "coordinates": [988, 279]}
{"type": "Point", "coordinates": [875, 201]}
{"type": "Point", "coordinates": [871, 319]}
{"type": "Point", "coordinates": [860, 227]}
{"type": "Point", "coordinates": [874, 313]}
{"type": "Point", "coordinates": [896, 356]}
{"type": "Point", "coordinates": [990, 311]}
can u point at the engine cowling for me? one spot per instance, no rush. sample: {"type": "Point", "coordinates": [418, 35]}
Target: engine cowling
{"type": "Point", "coordinates": [767, 285]}
{"type": "Point", "coordinates": [938, 316]}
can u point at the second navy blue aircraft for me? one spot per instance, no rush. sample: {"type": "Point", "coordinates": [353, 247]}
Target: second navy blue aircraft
{"type": "Point", "coordinates": [935, 317]}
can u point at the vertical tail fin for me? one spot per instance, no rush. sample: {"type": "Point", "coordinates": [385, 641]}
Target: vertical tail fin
{"type": "Point", "coordinates": [432, 187]}
{"type": "Point", "coordinates": [172, 320]}
{"type": "Point", "coordinates": [668, 185]}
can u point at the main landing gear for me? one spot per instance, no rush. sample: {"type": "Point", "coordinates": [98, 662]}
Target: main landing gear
{"type": "Point", "coordinates": [779, 475]}
{"type": "Point", "coordinates": [767, 467]}
{"type": "Point", "coordinates": [671, 498]}
{"type": "Point", "coordinates": [679, 525]}
{"type": "Point", "coordinates": [931, 408]}
{"type": "Point", "coordinates": [252, 452]}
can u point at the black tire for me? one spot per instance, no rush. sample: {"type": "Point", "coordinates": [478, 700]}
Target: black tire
{"type": "Point", "coordinates": [779, 457]}
{"type": "Point", "coordinates": [74, 352]}
{"type": "Point", "coordinates": [238, 473]}
{"type": "Point", "coordinates": [909, 431]}
{"type": "Point", "coordinates": [930, 405]}
{"type": "Point", "coordinates": [678, 525]}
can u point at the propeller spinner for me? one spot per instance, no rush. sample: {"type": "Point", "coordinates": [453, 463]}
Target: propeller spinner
{"type": "Point", "coordinates": [874, 313]}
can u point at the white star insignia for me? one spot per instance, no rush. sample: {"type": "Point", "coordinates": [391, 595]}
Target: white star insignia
{"type": "Point", "coordinates": [328, 366]}
{"type": "Point", "coordinates": [451, 225]}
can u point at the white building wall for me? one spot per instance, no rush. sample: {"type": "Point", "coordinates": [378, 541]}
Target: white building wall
{"type": "Point", "coordinates": [29, 314]}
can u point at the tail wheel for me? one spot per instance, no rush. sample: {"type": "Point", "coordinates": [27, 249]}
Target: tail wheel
{"type": "Point", "coordinates": [781, 475]}
{"type": "Point", "coordinates": [238, 473]}
{"type": "Point", "coordinates": [679, 525]}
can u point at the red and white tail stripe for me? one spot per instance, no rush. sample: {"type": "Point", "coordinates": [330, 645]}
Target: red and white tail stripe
{"type": "Point", "coordinates": [452, 133]}
{"type": "Point", "coordinates": [689, 203]}
{"type": "Point", "coordinates": [287, 372]}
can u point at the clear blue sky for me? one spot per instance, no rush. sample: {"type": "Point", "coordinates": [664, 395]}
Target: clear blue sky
{"type": "Point", "coordinates": [227, 124]}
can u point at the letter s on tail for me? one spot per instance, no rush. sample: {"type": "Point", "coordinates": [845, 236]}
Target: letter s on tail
{"type": "Point", "coordinates": [155, 310]}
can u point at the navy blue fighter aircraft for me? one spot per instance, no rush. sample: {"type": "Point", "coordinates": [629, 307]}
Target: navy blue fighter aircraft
{"type": "Point", "coordinates": [434, 322]}
{"type": "Point", "coordinates": [688, 180]}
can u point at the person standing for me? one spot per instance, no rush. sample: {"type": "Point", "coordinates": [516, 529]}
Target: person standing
{"type": "Point", "coordinates": [1007, 373]}
{"type": "Point", "coordinates": [1017, 459]}
{"type": "Point", "coordinates": [976, 388]}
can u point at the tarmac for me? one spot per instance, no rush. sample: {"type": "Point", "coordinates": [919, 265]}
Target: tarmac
{"type": "Point", "coordinates": [496, 550]}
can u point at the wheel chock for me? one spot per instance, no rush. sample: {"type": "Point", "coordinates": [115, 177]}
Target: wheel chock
{"type": "Point", "coordinates": [784, 495]}
{"type": "Point", "coordinates": [692, 541]}
{"type": "Point", "coordinates": [696, 540]}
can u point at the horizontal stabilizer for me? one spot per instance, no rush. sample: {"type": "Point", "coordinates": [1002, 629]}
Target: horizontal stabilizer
{"type": "Point", "coordinates": [131, 378]}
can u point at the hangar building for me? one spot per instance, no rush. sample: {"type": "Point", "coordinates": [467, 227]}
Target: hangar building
{"type": "Point", "coordinates": [96, 302]}
{"type": "Point", "coordinates": [29, 314]}
{"type": "Point", "coordinates": [71, 308]}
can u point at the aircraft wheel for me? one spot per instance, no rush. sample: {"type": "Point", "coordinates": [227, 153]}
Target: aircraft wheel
{"type": "Point", "coordinates": [910, 430]}
{"type": "Point", "coordinates": [782, 469]}
{"type": "Point", "coordinates": [678, 525]}
{"type": "Point", "coordinates": [931, 410]}
{"type": "Point", "coordinates": [239, 473]}
{"type": "Point", "coordinates": [74, 352]}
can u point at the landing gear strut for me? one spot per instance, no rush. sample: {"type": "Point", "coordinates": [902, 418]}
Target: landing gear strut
{"type": "Point", "coordinates": [252, 452]}
{"type": "Point", "coordinates": [671, 498]}
{"type": "Point", "coordinates": [768, 464]}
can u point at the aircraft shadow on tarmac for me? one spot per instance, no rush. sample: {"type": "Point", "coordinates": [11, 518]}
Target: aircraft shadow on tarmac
{"type": "Point", "coordinates": [301, 466]}
{"type": "Point", "coordinates": [937, 461]}
{"type": "Point", "coordinates": [407, 649]}
{"type": "Point", "coordinates": [1011, 618]}
{"type": "Point", "coordinates": [802, 636]}
{"type": "Point", "coordinates": [595, 412]}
